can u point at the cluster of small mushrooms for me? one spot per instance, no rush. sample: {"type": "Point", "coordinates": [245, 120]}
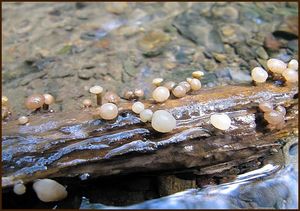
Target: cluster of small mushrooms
{"type": "Point", "coordinates": [161, 120]}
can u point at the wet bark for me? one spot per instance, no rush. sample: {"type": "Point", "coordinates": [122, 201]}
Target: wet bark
{"type": "Point", "coordinates": [73, 143]}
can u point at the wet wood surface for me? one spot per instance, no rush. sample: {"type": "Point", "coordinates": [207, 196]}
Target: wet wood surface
{"type": "Point", "coordinates": [69, 144]}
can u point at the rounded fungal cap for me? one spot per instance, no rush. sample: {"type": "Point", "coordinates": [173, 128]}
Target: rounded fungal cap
{"type": "Point", "coordinates": [281, 109]}
{"type": "Point", "coordinates": [157, 81]}
{"type": "Point", "coordinates": [162, 121]}
{"type": "Point", "coordinates": [189, 80]}
{"type": "Point", "coordinates": [49, 190]}
{"type": "Point", "coordinates": [274, 117]}
{"type": "Point", "coordinates": [108, 111]}
{"type": "Point", "coordinates": [276, 65]}
{"type": "Point", "coordinates": [49, 99]}
{"type": "Point", "coordinates": [265, 107]}
{"type": "Point", "coordinates": [19, 189]}
{"type": "Point", "coordinates": [220, 121]}
{"type": "Point", "coordinates": [161, 94]}
{"type": "Point", "coordinates": [137, 107]}
{"type": "Point", "coordinates": [23, 120]}
{"type": "Point", "coordinates": [4, 101]}
{"type": "Point", "coordinates": [198, 74]}
{"type": "Point", "coordinates": [35, 101]}
{"type": "Point", "coordinates": [146, 115]}
{"type": "Point", "coordinates": [186, 85]}
{"type": "Point", "coordinates": [96, 90]}
{"type": "Point", "coordinates": [111, 97]}
{"type": "Point", "coordinates": [138, 93]}
{"type": "Point", "coordinates": [259, 75]}
{"type": "Point", "coordinates": [87, 103]}
{"type": "Point", "coordinates": [195, 84]}
{"type": "Point", "coordinates": [293, 64]}
{"type": "Point", "coordinates": [170, 85]}
{"type": "Point", "coordinates": [128, 95]}
{"type": "Point", "coordinates": [290, 75]}
{"type": "Point", "coordinates": [179, 91]}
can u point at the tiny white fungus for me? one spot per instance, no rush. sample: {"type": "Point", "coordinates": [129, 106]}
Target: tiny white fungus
{"type": "Point", "coordinates": [290, 75]}
{"type": "Point", "coordinates": [161, 94]}
{"type": "Point", "coordinates": [19, 189]}
{"type": "Point", "coordinates": [162, 121]}
{"type": "Point", "coordinates": [259, 75]}
{"type": "Point", "coordinates": [137, 107]}
{"type": "Point", "coordinates": [276, 65]}
{"type": "Point", "coordinates": [220, 121]}
{"type": "Point", "coordinates": [146, 115]}
{"type": "Point", "coordinates": [49, 190]}
{"type": "Point", "coordinates": [293, 64]}
{"type": "Point", "coordinates": [108, 111]}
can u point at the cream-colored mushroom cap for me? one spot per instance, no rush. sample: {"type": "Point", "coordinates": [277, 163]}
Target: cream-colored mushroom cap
{"type": "Point", "coordinates": [108, 111]}
{"type": "Point", "coordinates": [4, 101]}
{"type": "Point", "coordinates": [220, 121]}
{"type": "Point", "coordinates": [266, 107]}
{"type": "Point", "coordinates": [276, 65]}
{"type": "Point", "coordinates": [19, 189]}
{"type": "Point", "coordinates": [161, 94]}
{"type": "Point", "coordinates": [290, 75]}
{"type": "Point", "coordinates": [48, 190]}
{"type": "Point", "coordinates": [170, 85]}
{"type": "Point", "coordinates": [179, 91]}
{"type": "Point", "coordinates": [274, 117]}
{"type": "Point", "coordinates": [96, 90]}
{"type": "Point", "coordinates": [198, 74]}
{"type": "Point", "coordinates": [146, 115]}
{"type": "Point", "coordinates": [157, 81]}
{"type": "Point", "coordinates": [87, 102]}
{"type": "Point", "coordinates": [259, 75]}
{"type": "Point", "coordinates": [162, 121]}
{"type": "Point", "coordinates": [195, 84]}
{"type": "Point", "coordinates": [49, 99]}
{"type": "Point", "coordinates": [293, 64]}
{"type": "Point", "coordinates": [137, 107]}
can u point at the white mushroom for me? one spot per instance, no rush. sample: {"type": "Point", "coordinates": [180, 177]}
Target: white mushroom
{"type": "Point", "coordinates": [220, 121]}
{"type": "Point", "coordinates": [146, 115]}
{"type": "Point", "coordinates": [162, 121]}
{"type": "Point", "coordinates": [48, 190]}
{"type": "Point", "coordinates": [137, 107]}
{"type": "Point", "coordinates": [161, 94]}
{"type": "Point", "coordinates": [276, 65]}
{"type": "Point", "coordinates": [108, 111]}
{"type": "Point", "coordinates": [259, 75]}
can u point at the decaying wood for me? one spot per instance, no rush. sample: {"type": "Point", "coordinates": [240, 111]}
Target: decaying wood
{"type": "Point", "coordinates": [73, 143]}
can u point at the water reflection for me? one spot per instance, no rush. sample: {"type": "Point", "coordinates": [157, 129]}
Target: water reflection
{"type": "Point", "coordinates": [267, 187]}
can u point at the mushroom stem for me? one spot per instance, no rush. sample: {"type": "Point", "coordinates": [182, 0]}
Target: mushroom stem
{"type": "Point", "coordinates": [99, 99]}
{"type": "Point", "coordinates": [45, 107]}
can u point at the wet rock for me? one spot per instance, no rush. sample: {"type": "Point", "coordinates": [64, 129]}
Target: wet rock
{"type": "Point", "coordinates": [293, 45]}
{"type": "Point", "coordinates": [172, 184]}
{"type": "Point", "coordinates": [60, 72]}
{"type": "Point", "coordinates": [209, 65]}
{"type": "Point", "coordinates": [85, 74]}
{"type": "Point", "coordinates": [228, 31]}
{"type": "Point", "coordinates": [272, 43]}
{"type": "Point", "coordinates": [116, 7]}
{"type": "Point", "coordinates": [197, 29]}
{"type": "Point", "coordinates": [288, 29]}
{"type": "Point", "coordinates": [245, 52]}
{"type": "Point", "coordinates": [227, 13]}
{"type": "Point", "coordinates": [260, 51]}
{"type": "Point", "coordinates": [80, 5]}
{"type": "Point", "coordinates": [263, 63]}
{"type": "Point", "coordinates": [239, 76]}
{"type": "Point", "coordinates": [153, 42]}
{"type": "Point", "coordinates": [220, 57]}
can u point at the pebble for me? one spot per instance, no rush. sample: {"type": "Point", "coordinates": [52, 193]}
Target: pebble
{"type": "Point", "coordinates": [23, 120]}
{"type": "Point", "coordinates": [260, 51]}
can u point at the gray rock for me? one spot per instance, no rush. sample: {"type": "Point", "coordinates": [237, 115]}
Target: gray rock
{"type": "Point", "coordinates": [85, 74]}
{"type": "Point", "coordinates": [260, 51]}
{"type": "Point", "coordinates": [197, 29]}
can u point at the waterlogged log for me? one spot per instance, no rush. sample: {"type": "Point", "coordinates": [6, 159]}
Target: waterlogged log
{"type": "Point", "coordinates": [73, 143]}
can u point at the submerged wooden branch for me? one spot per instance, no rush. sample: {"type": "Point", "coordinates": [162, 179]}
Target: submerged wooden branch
{"type": "Point", "coordinates": [72, 143]}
